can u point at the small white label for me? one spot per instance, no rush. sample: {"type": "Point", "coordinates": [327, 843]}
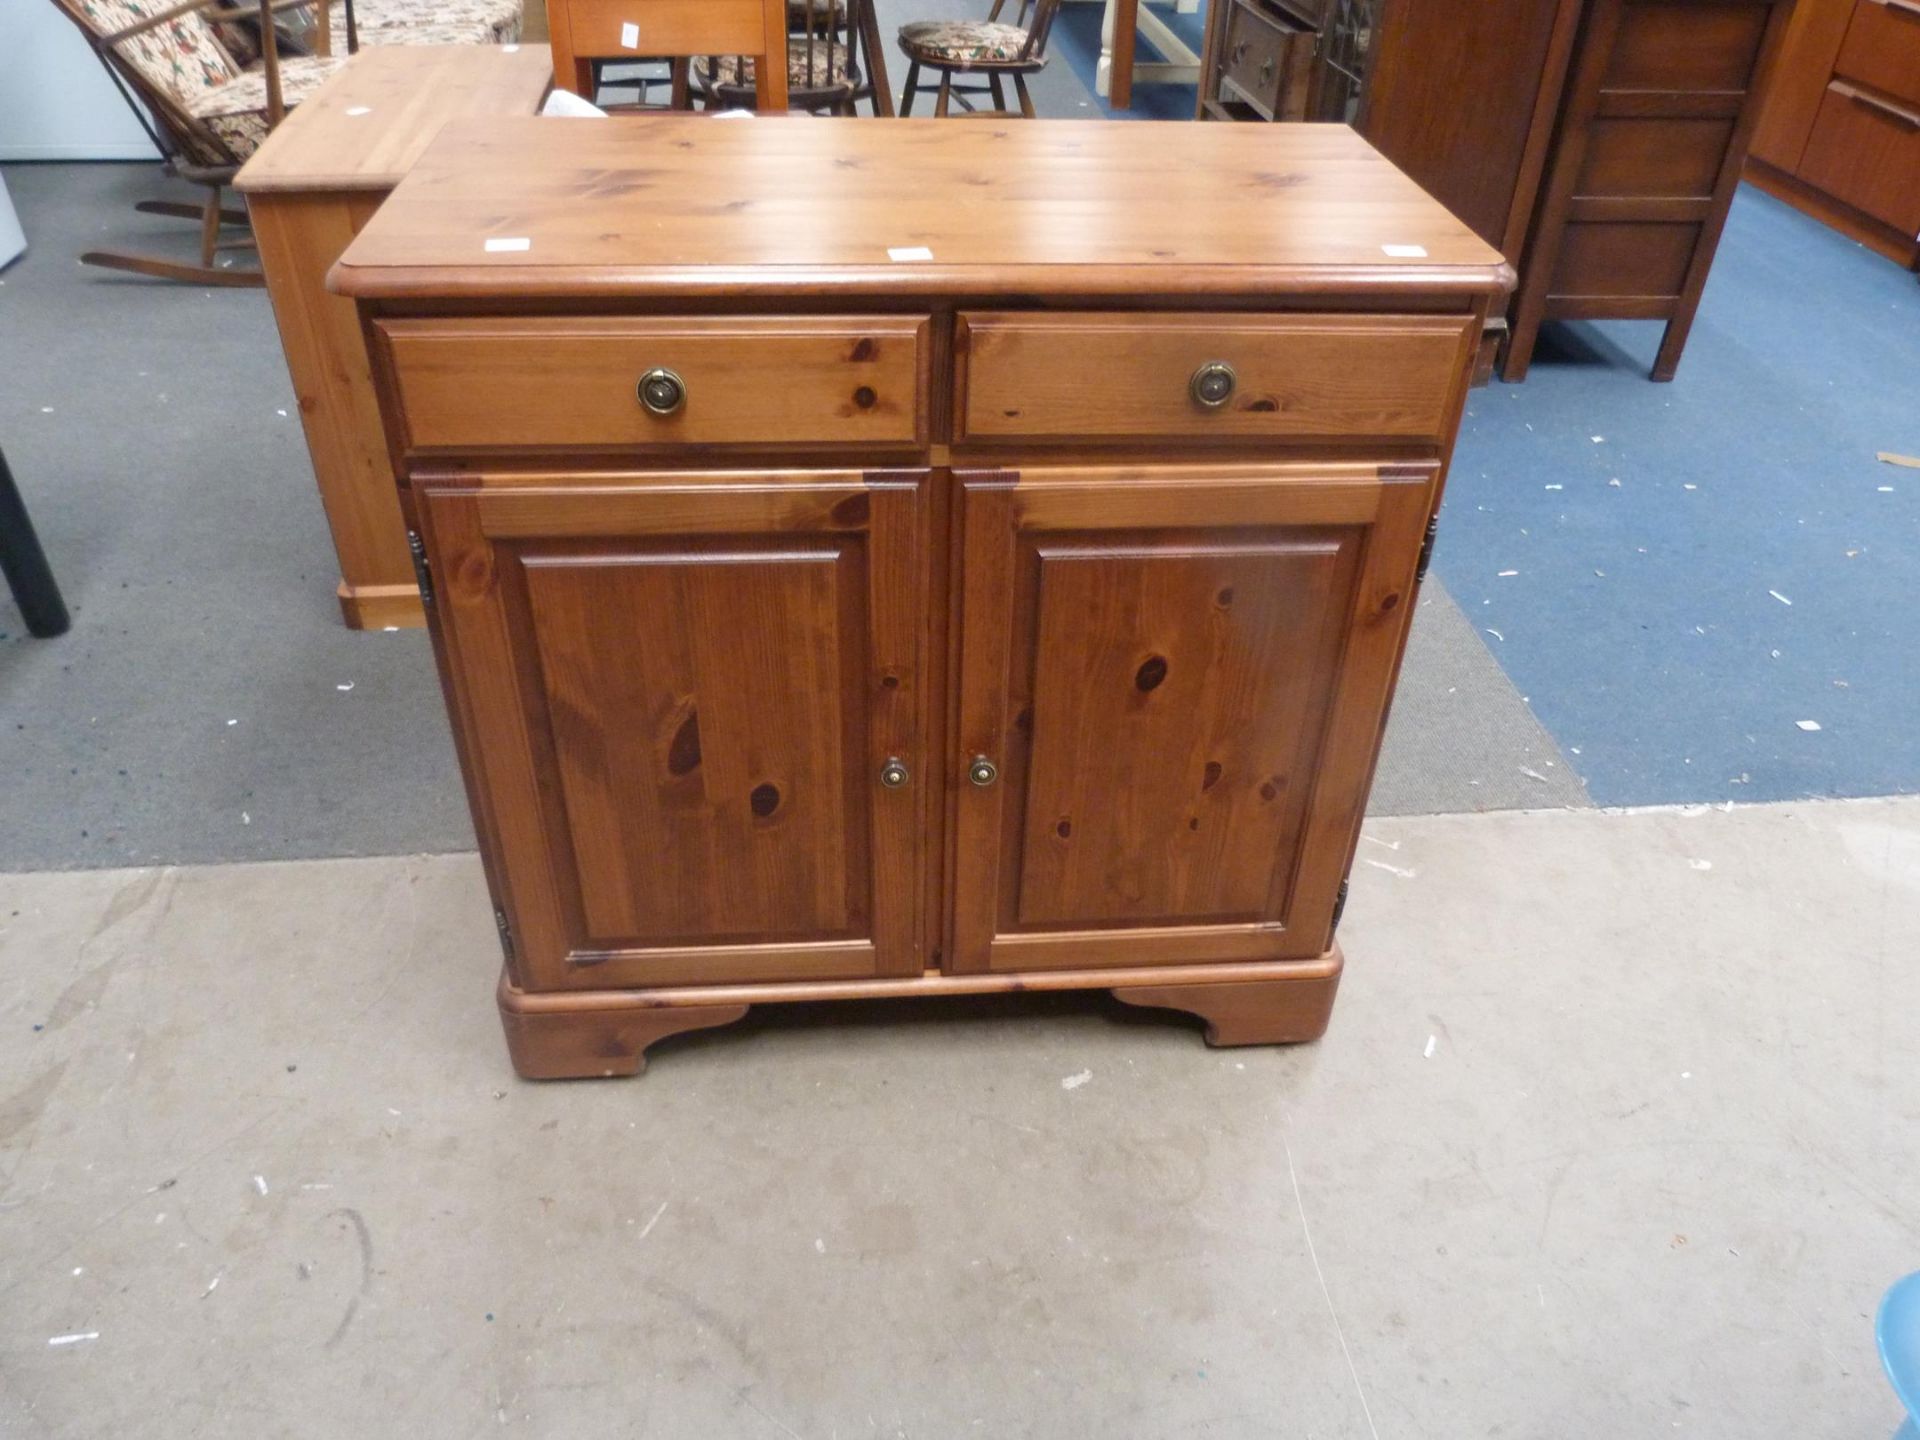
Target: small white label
{"type": "Point", "coordinates": [509, 49]}
{"type": "Point", "coordinates": [503, 244]}
{"type": "Point", "coordinates": [909, 252]}
{"type": "Point", "coordinates": [359, 110]}
{"type": "Point", "coordinates": [1405, 252]}
{"type": "Point", "coordinates": [630, 36]}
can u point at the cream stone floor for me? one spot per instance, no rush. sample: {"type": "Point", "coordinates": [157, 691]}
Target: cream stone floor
{"type": "Point", "coordinates": [1616, 1133]}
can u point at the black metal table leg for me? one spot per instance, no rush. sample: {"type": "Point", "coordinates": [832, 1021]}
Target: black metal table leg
{"type": "Point", "coordinates": [25, 563]}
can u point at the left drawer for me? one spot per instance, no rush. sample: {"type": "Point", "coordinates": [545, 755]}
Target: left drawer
{"type": "Point", "coordinates": [581, 382]}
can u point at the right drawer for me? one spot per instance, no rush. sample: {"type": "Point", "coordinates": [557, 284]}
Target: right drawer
{"type": "Point", "coordinates": [1882, 48]}
{"type": "Point", "coordinates": [1103, 376]}
{"type": "Point", "coordinates": [1865, 150]}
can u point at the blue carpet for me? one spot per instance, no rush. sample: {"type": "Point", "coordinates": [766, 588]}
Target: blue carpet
{"type": "Point", "coordinates": [1076, 42]}
{"type": "Point", "coordinates": [1653, 526]}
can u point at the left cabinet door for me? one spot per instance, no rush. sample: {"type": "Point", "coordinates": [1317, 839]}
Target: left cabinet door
{"type": "Point", "coordinates": [676, 696]}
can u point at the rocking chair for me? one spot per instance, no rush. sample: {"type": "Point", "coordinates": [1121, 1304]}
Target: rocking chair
{"type": "Point", "coordinates": [203, 112]}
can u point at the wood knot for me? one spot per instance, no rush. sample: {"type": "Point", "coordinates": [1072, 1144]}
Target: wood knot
{"type": "Point", "coordinates": [683, 752]}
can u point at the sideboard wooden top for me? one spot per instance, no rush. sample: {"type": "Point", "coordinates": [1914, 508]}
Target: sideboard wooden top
{"type": "Point", "coordinates": [689, 205]}
{"type": "Point", "coordinates": [365, 127]}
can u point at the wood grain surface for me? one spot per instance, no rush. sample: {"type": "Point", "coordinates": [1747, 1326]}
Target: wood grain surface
{"type": "Point", "coordinates": [1096, 376]}
{"type": "Point", "coordinates": [684, 205]}
{"type": "Point", "coordinates": [679, 698]}
{"type": "Point", "coordinates": [844, 380]}
{"type": "Point", "coordinates": [1172, 670]}
{"type": "Point", "coordinates": [364, 128]}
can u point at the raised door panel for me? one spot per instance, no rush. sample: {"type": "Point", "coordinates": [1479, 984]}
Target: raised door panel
{"type": "Point", "coordinates": [677, 695]}
{"type": "Point", "coordinates": [1179, 677]}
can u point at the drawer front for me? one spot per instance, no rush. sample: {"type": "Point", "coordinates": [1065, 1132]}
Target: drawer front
{"type": "Point", "coordinates": [1865, 151]}
{"type": "Point", "coordinates": [1882, 48]}
{"type": "Point", "coordinates": [1096, 377]}
{"type": "Point", "coordinates": [1264, 62]}
{"type": "Point", "coordinates": [748, 380]}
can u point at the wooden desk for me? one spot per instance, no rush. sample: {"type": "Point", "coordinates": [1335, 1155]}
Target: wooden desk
{"type": "Point", "coordinates": [841, 592]}
{"type": "Point", "coordinates": [310, 188]}
{"type": "Point", "coordinates": [583, 31]}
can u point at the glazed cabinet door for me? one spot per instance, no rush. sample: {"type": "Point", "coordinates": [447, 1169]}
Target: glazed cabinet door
{"type": "Point", "coordinates": [689, 711]}
{"type": "Point", "coordinates": [1173, 686]}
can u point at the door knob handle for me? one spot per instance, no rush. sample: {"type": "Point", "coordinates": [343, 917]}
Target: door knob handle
{"type": "Point", "coordinates": [1212, 384]}
{"type": "Point", "coordinates": [894, 773]}
{"type": "Point", "coordinates": [982, 771]}
{"type": "Point", "coordinates": [662, 391]}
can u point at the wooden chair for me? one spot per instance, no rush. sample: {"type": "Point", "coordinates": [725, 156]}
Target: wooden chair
{"type": "Point", "coordinates": [987, 47]}
{"type": "Point", "coordinates": [203, 111]}
{"type": "Point", "coordinates": [822, 71]}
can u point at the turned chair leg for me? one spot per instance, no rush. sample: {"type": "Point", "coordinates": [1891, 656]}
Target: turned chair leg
{"type": "Point", "coordinates": [999, 91]}
{"type": "Point", "coordinates": [25, 564]}
{"type": "Point", "coordinates": [913, 80]}
{"type": "Point", "coordinates": [1026, 100]}
{"type": "Point", "coordinates": [210, 227]}
{"type": "Point", "coordinates": [945, 97]}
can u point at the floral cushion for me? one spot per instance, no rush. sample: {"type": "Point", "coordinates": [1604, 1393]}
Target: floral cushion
{"type": "Point", "coordinates": [450, 22]}
{"type": "Point", "coordinates": [962, 44]}
{"type": "Point", "coordinates": [828, 67]}
{"type": "Point", "coordinates": [236, 112]}
{"type": "Point", "coordinates": [182, 57]}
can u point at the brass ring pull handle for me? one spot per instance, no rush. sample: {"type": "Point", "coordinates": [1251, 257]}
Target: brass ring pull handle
{"type": "Point", "coordinates": [1212, 384]}
{"type": "Point", "coordinates": [982, 771]}
{"type": "Point", "coordinates": [894, 774]}
{"type": "Point", "coordinates": [661, 391]}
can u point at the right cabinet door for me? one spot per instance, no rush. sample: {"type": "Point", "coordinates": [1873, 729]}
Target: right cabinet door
{"type": "Point", "coordinates": [1173, 683]}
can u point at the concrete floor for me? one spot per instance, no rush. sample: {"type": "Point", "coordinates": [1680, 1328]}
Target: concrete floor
{"type": "Point", "coordinates": [1615, 1134]}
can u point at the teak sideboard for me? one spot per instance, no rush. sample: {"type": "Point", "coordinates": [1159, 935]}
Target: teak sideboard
{"type": "Point", "coordinates": [1839, 135]}
{"type": "Point", "coordinates": [915, 559]}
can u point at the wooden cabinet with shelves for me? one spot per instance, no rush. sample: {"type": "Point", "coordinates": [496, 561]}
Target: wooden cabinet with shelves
{"type": "Point", "coordinates": [821, 625]}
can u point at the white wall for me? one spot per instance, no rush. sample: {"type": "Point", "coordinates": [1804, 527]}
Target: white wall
{"type": "Point", "coordinates": [56, 100]}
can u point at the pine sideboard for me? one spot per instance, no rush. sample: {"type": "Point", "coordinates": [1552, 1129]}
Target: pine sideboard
{"type": "Point", "coordinates": [915, 558]}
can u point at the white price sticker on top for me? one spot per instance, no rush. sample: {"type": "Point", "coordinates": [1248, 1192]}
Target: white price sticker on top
{"type": "Point", "coordinates": [629, 36]}
{"type": "Point", "coordinates": [909, 252]}
{"type": "Point", "coordinates": [1405, 252]}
